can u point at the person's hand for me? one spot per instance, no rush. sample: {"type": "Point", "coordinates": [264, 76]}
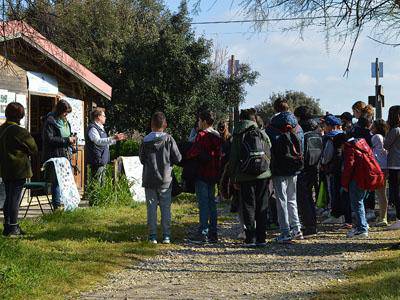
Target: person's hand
{"type": "Point", "coordinates": [120, 136]}
{"type": "Point", "coordinates": [236, 186]}
{"type": "Point", "coordinates": [72, 139]}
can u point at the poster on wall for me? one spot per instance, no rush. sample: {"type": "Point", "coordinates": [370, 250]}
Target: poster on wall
{"type": "Point", "coordinates": [6, 97]}
{"type": "Point", "coordinates": [76, 119]}
{"type": "Point", "coordinates": [42, 83]}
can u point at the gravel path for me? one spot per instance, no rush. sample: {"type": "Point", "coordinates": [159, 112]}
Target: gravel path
{"type": "Point", "coordinates": [229, 271]}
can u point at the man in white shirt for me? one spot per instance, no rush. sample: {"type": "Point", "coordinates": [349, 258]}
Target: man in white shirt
{"type": "Point", "coordinates": [98, 143]}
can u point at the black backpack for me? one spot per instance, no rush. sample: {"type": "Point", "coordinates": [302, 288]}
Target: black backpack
{"type": "Point", "coordinates": [255, 153]}
{"type": "Point", "coordinates": [313, 147]}
{"type": "Point", "coordinates": [287, 156]}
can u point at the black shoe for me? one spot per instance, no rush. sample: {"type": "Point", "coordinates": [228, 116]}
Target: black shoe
{"type": "Point", "coordinates": [14, 231]}
{"type": "Point", "coordinates": [213, 238]}
{"type": "Point", "coordinates": [309, 231]}
{"type": "Point", "coordinates": [261, 243]}
{"type": "Point", "coordinates": [6, 229]}
{"type": "Point", "coordinates": [198, 239]}
{"type": "Point", "coordinates": [249, 243]}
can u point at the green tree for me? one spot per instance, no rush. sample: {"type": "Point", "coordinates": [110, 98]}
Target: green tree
{"type": "Point", "coordinates": [295, 99]}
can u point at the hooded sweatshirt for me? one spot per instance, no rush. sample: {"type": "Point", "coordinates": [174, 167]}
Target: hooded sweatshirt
{"type": "Point", "coordinates": [234, 161]}
{"type": "Point", "coordinates": [158, 153]}
{"type": "Point", "coordinates": [207, 151]}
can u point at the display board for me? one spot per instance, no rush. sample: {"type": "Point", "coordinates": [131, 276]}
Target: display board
{"type": "Point", "coordinates": [76, 119]}
{"type": "Point", "coordinates": [133, 170]}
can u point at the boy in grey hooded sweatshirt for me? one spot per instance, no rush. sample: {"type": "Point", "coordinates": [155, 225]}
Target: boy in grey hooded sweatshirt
{"type": "Point", "coordinates": [158, 153]}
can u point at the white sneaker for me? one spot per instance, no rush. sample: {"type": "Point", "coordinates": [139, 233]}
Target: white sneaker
{"type": "Point", "coordinates": [354, 233]}
{"type": "Point", "coordinates": [394, 226]}
{"type": "Point", "coordinates": [333, 220]}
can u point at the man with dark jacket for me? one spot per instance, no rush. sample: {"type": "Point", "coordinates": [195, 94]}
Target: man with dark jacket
{"type": "Point", "coordinates": [158, 154]}
{"type": "Point", "coordinates": [253, 187]}
{"type": "Point", "coordinates": [207, 150]}
{"type": "Point", "coordinates": [98, 143]}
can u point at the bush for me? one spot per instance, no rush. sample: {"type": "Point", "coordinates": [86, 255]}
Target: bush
{"type": "Point", "coordinates": [125, 148]}
{"type": "Point", "coordinates": [109, 192]}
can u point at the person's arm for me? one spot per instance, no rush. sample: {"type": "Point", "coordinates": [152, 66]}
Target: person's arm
{"type": "Point", "coordinates": [50, 138]}
{"type": "Point", "coordinates": [391, 138]}
{"type": "Point", "coordinates": [176, 156]}
{"type": "Point", "coordinates": [94, 136]}
{"type": "Point", "coordinates": [142, 155]}
{"type": "Point", "coordinates": [27, 143]}
{"type": "Point", "coordinates": [234, 157]}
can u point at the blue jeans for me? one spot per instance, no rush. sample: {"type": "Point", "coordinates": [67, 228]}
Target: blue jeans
{"type": "Point", "coordinates": [205, 193]}
{"type": "Point", "coordinates": [357, 197]}
{"type": "Point", "coordinates": [55, 193]}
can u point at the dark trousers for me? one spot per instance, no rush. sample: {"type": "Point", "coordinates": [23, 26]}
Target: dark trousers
{"type": "Point", "coordinates": [394, 190]}
{"type": "Point", "coordinates": [369, 201]}
{"type": "Point", "coordinates": [13, 198]}
{"type": "Point", "coordinates": [346, 207]}
{"type": "Point", "coordinates": [254, 195]}
{"type": "Point", "coordinates": [305, 201]}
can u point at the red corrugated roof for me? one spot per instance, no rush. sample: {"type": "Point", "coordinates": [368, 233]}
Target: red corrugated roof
{"type": "Point", "coordinates": [19, 29]}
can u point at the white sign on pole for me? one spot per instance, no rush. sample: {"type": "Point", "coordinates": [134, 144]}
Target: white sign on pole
{"type": "Point", "coordinates": [373, 70]}
{"type": "Point", "coordinates": [133, 169]}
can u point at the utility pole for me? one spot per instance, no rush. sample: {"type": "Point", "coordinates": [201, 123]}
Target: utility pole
{"type": "Point", "coordinates": [377, 97]}
{"type": "Point", "coordinates": [231, 69]}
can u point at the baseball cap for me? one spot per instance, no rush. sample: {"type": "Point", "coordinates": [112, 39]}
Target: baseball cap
{"type": "Point", "coordinates": [331, 120]}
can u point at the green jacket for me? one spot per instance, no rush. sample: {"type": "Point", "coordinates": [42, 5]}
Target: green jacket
{"type": "Point", "coordinates": [234, 160]}
{"type": "Point", "coordinates": [16, 144]}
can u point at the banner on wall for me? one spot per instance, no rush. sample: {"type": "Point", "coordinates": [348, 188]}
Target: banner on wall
{"type": "Point", "coordinates": [76, 118]}
{"type": "Point", "coordinates": [42, 83]}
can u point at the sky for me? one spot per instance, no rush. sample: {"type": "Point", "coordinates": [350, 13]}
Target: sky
{"type": "Point", "coordinates": [287, 61]}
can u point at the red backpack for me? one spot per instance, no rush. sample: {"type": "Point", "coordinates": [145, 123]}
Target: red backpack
{"type": "Point", "coordinates": [368, 174]}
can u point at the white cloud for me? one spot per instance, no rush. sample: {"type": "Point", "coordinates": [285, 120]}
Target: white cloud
{"type": "Point", "coordinates": [304, 80]}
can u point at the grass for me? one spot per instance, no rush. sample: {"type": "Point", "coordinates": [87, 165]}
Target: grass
{"type": "Point", "coordinates": [68, 252]}
{"type": "Point", "coordinates": [377, 280]}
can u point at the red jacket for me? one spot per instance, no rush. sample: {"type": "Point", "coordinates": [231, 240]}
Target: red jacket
{"type": "Point", "coordinates": [360, 165]}
{"type": "Point", "coordinates": [206, 150]}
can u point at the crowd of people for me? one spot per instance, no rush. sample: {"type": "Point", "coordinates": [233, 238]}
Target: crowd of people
{"type": "Point", "coordinates": [272, 171]}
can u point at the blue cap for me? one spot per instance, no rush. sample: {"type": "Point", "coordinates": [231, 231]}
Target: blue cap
{"type": "Point", "coordinates": [331, 120]}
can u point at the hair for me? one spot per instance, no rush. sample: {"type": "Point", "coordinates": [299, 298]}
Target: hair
{"type": "Point", "coordinates": [208, 116]}
{"type": "Point", "coordinates": [365, 110]}
{"type": "Point", "coordinates": [158, 120]}
{"type": "Point", "coordinates": [96, 112]}
{"type": "Point", "coordinates": [248, 114]}
{"type": "Point", "coordinates": [260, 121]}
{"type": "Point", "coordinates": [380, 127]}
{"type": "Point", "coordinates": [303, 113]}
{"type": "Point", "coordinates": [14, 112]}
{"type": "Point", "coordinates": [61, 107]}
{"type": "Point", "coordinates": [281, 105]}
{"type": "Point", "coordinates": [226, 134]}
{"type": "Point", "coordinates": [394, 116]}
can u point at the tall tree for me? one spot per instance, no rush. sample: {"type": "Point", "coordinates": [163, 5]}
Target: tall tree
{"type": "Point", "coordinates": [295, 99]}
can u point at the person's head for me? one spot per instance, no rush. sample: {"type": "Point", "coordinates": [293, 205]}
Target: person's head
{"type": "Point", "coordinates": [14, 112]}
{"type": "Point", "coordinates": [303, 113]}
{"type": "Point", "coordinates": [346, 117]}
{"type": "Point", "coordinates": [98, 115]}
{"type": "Point", "coordinates": [206, 119]}
{"type": "Point", "coordinates": [62, 109]}
{"type": "Point", "coordinates": [281, 105]}
{"type": "Point", "coordinates": [260, 122]}
{"type": "Point", "coordinates": [223, 129]}
{"type": "Point", "coordinates": [248, 114]}
{"type": "Point", "coordinates": [331, 123]}
{"type": "Point", "coordinates": [309, 125]}
{"type": "Point", "coordinates": [379, 127]}
{"type": "Point", "coordinates": [394, 116]}
{"type": "Point", "coordinates": [158, 122]}
{"type": "Point", "coordinates": [361, 109]}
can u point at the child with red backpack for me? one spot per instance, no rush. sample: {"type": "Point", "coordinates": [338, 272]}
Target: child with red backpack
{"type": "Point", "coordinates": [207, 150]}
{"type": "Point", "coordinates": [361, 173]}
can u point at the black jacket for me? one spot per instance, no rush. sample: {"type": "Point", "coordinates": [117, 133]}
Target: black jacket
{"type": "Point", "coordinates": [53, 144]}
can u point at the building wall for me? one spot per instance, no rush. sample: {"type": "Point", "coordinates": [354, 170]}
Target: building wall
{"type": "Point", "coordinates": [12, 77]}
